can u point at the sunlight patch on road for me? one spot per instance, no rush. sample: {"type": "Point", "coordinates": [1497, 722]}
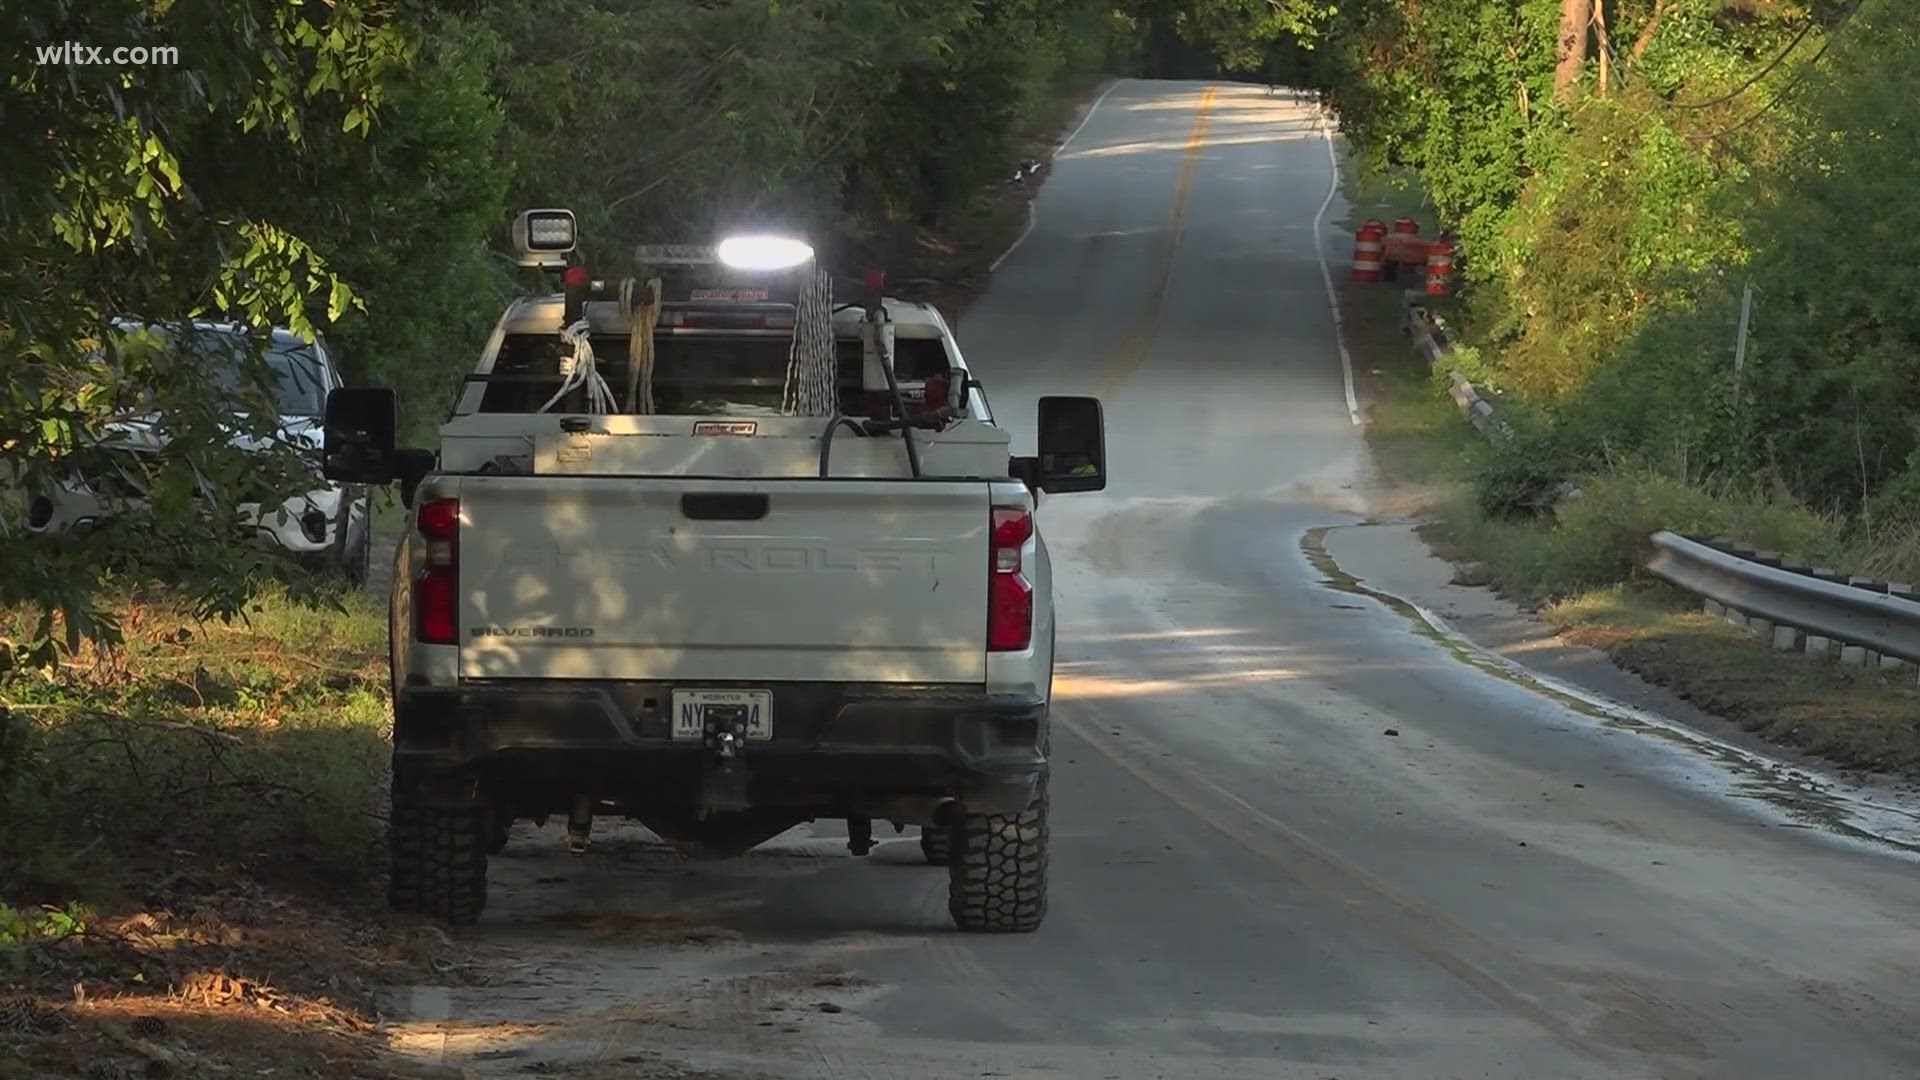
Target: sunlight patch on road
{"type": "Point", "coordinates": [1140, 337]}
{"type": "Point", "coordinates": [1094, 687]}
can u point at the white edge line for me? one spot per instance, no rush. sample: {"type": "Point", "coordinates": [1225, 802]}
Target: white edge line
{"type": "Point", "coordinates": [1032, 218]}
{"type": "Point", "coordinates": [1326, 273]}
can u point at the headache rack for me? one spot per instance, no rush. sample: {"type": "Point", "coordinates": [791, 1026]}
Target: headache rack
{"type": "Point", "coordinates": [743, 288]}
{"type": "Point", "coordinates": [685, 290]}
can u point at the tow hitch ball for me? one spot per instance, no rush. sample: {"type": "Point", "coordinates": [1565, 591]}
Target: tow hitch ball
{"type": "Point", "coordinates": [726, 731]}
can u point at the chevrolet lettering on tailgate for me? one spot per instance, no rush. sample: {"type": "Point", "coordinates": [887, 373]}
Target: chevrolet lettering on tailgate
{"type": "Point", "coordinates": [737, 558]}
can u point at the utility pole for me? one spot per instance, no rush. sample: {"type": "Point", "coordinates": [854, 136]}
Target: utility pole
{"type": "Point", "coordinates": [1746, 320]}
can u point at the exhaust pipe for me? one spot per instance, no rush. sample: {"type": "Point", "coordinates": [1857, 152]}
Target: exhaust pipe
{"type": "Point", "coordinates": [580, 825]}
{"type": "Point", "coordinates": [859, 836]}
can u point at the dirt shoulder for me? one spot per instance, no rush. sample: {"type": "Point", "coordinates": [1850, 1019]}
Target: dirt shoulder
{"type": "Point", "coordinates": [190, 967]}
{"type": "Point", "coordinates": [188, 877]}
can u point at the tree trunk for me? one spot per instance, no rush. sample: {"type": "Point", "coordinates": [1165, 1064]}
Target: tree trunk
{"type": "Point", "coordinates": [1576, 16]}
{"type": "Point", "coordinates": [1646, 33]}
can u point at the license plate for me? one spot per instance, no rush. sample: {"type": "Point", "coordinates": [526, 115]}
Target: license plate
{"type": "Point", "coordinates": [693, 710]}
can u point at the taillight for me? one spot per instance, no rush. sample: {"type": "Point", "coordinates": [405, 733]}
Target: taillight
{"type": "Point", "coordinates": [436, 592]}
{"type": "Point", "coordinates": [1009, 594]}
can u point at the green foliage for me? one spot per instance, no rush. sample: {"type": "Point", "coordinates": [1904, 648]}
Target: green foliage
{"type": "Point", "coordinates": [24, 927]}
{"type": "Point", "coordinates": [1610, 224]}
{"type": "Point", "coordinates": [672, 122]}
{"type": "Point", "coordinates": [1524, 475]}
{"type": "Point", "coordinates": [1601, 537]}
{"type": "Point", "coordinates": [101, 215]}
{"type": "Point", "coordinates": [1803, 202]}
{"type": "Point", "coordinates": [1243, 34]}
{"type": "Point", "coordinates": [350, 166]}
{"type": "Point", "coordinates": [1625, 213]}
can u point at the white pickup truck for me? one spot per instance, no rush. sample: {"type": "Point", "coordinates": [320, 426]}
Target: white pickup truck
{"type": "Point", "coordinates": [639, 580]}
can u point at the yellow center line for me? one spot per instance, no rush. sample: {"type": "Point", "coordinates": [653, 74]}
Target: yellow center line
{"type": "Point", "coordinates": [1146, 327]}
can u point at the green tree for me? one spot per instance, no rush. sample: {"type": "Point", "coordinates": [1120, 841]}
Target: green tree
{"type": "Point", "coordinates": [98, 219]}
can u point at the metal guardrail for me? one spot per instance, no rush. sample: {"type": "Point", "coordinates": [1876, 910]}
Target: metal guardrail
{"type": "Point", "coordinates": [1432, 342]}
{"type": "Point", "coordinates": [1794, 605]}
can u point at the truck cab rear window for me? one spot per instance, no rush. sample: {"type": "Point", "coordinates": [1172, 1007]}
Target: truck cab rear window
{"type": "Point", "coordinates": [692, 376]}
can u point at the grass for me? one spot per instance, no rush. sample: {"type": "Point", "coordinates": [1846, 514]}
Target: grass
{"type": "Point", "coordinates": [1602, 537]}
{"type": "Point", "coordinates": [259, 741]}
{"type": "Point", "coordinates": [190, 865]}
{"type": "Point", "coordinates": [1853, 717]}
{"type": "Point", "coordinates": [1578, 568]}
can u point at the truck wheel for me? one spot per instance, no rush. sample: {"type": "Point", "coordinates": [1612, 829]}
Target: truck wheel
{"type": "Point", "coordinates": [357, 557]}
{"type": "Point", "coordinates": [438, 859]}
{"type": "Point", "coordinates": [936, 844]}
{"type": "Point", "coordinates": [997, 876]}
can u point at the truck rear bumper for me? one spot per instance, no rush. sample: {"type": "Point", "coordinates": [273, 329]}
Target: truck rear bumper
{"type": "Point", "coordinates": [541, 743]}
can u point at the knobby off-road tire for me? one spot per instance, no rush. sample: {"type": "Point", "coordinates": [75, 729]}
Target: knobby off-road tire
{"type": "Point", "coordinates": [499, 831]}
{"type": "Point", "coordinates": [438, 859]}
{"type": "Point", "coordinates": [936, 844]}
{"type": "Point", "coordinates": [355, 559]}
{"type": "Point", "coordinates": [997, 875]}
{"type": "Point", "coordinates": [357, 567]}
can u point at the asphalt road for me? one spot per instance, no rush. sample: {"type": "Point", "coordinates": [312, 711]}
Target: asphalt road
{"type": "Point", "coordinates": [1293, 837]}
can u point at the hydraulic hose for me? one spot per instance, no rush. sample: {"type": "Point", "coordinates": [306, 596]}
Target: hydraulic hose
{"type": "Point", "coordinates": [826, 438]}
{"type": "Point", "coordinates": [874, 317]}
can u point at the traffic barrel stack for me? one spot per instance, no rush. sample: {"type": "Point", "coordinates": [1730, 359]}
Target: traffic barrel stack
{"type": "Point", "coordinates": [1440, 267]}
{"type": "Point", "coordinates": [1404, 248]}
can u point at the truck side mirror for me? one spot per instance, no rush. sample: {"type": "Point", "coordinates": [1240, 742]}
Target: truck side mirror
{"type": "Point", "coordinates": [410, 467]}
{"type": "Point", "coordinates": [358, 436]}
{"type": "Point", "coordinates": [1073, 445]}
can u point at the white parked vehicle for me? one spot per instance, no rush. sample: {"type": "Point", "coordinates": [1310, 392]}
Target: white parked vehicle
{"type": "Point", "coordinates": [328, 526]}
{"type": "Point", "coordinates": [722, 558]}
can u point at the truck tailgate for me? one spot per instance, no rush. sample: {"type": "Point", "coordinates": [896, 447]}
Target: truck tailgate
{"type": "Point", "coordinates": [724, 580]}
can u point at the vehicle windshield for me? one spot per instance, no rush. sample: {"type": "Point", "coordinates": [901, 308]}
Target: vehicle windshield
{"type": "Point", "coordinates": [298, 384]}
{"type": "Point", "coordinates": [299, 387]}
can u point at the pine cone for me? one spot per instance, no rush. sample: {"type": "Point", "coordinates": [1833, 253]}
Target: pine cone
{"type": "Point", "coordinates": [24, 1015]}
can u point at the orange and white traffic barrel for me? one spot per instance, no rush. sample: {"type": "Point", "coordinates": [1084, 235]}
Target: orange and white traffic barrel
{"type": "Point", "coordinates": [1440, 267]}
{"type": "Point", "coordinates": [1369, 252]}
